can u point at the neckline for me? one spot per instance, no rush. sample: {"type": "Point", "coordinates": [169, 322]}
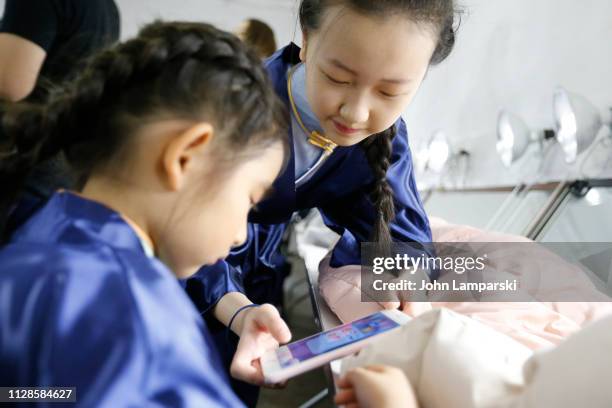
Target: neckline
{"type": "Point", "coordinates": [314, 137]}
{"type": "Point", "coordinates": [145, 239]}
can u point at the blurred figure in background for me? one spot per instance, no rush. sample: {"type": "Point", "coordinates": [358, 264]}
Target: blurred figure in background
{"type": "Point", "coordinates": [259, 36]}
{"type": "Point", "coordinates": [42, 44]}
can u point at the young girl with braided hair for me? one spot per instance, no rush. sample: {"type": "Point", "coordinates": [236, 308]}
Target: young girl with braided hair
{"type": "Point", "coordinates": [361, 64]}
{"type": "Point", "coordinates": [174, 136]}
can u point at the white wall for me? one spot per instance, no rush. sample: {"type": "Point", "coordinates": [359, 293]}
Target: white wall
{"type": "Point", "coordinates": [509, 53]}
{"type": "Point", "coordinates": [225, 14]}
{"type": "Point", "coordinates": [512, 54]}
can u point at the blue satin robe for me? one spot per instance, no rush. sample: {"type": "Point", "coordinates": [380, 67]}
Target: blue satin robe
{"type": "Point", "coordinates": [82, 305]}
{"type": "Point", "coordinates": [340, 190]}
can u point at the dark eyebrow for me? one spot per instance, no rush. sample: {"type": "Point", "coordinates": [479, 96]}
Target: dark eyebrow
{"type": "Point", "coordinates": [343, 67]}
{"type": "Point", "coordinates": [396, 81]}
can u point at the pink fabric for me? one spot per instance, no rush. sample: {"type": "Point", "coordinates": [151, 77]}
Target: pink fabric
{"type": "Point", "coordinates": [534, 324]}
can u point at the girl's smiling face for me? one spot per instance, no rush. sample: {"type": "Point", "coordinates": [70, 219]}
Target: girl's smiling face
{"type": "Point", "coordinates": [363, 71]}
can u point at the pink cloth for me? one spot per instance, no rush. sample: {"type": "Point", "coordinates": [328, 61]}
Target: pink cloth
{"type": "Point", "coordinates": [454, 361]}
{"type": "Point", "coordinates": [534, 324]}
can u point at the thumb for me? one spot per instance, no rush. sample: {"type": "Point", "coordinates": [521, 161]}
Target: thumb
{"type": "Point", "coordinates": [242, 367]}
{"type": "Point", "coordinates": [274, 324]}
{"type": "Point", "coordinates": [355, 375]}
{"type": "Point", "coordinates": [389, 305]}
{"type": "Point", "coordinates": [416, 308]}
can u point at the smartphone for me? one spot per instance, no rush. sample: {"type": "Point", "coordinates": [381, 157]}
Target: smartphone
{"type": "Point", "coordinates": [303, 355]}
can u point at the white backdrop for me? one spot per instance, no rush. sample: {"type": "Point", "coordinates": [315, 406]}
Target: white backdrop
{"type": "Point", "coordinates": [509, 53]}
{"type": "Point", "coordinates": [512, 54]}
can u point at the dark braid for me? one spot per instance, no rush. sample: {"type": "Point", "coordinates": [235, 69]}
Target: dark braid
{"type": "Point", "coordinates": [378, 150]}
{"type": "Point", "coordinates": [177, 70]}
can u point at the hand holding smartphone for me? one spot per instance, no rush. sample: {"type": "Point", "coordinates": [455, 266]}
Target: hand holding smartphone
{"type": "Point", "coordinates": [303, 355]}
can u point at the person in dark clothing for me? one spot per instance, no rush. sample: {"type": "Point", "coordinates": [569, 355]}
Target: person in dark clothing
{"type": "Point", "coordinates": [43, 41]}
{"type": "Point", "coordinates": [42, 44]}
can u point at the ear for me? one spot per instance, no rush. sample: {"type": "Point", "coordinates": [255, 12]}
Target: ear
{"type": "Point", "coordinates": [181, 152]}
{"type": "Point", "coordinates": [304, 47]}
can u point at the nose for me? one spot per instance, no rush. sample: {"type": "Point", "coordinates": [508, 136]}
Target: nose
{"type": "Point", "coordinates": [355, 110]}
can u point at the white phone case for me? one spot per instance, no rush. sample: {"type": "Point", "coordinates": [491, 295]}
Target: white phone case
{"type": "Point", "coordinates": [275, 373]}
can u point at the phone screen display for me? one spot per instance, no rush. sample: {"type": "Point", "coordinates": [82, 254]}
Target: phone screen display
{"type": "Point", "coordinates": [309, 347]}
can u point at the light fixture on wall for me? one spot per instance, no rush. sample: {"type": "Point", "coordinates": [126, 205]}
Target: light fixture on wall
{"type": "Point", "coordinates": [513, 140]}
{"type": "Point", "coordinates": [577, 125]}
{"type": "Point", "coordinates": [430, 161]}
{"type": "Point", "coordinates": [577, 121]}
{"type": "Point", "coordinates": [437, 160]}
{"type": "Point", "coordinates": [514, 137]}
{"type": "Point", "coordinates": [445, 160]}
{"type": "Point", "coordinates": [593, 197]}
{"type": "Point", "coordinates": [438, 152]}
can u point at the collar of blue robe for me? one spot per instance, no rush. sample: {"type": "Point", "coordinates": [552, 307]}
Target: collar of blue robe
{"type": "Point", "coordinates": [68, 217]}
{"type": "Point", "coordinates": [281, 205]}
{"type": "Point", "coordinates": [296, 89]}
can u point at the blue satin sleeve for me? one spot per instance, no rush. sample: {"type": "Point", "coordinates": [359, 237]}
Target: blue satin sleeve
{"type": "Point", "coordinates": [123, 336]}
{"type": "Point", "coordinates": [212, 282]}
{"type": "Point", "coordinates": [354, 215]}
{"type": "Point", "coordinates": [252, 265]}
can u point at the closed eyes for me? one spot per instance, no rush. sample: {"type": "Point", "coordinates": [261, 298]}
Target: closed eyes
{"type": "Point", "coordinates": [335, 81]}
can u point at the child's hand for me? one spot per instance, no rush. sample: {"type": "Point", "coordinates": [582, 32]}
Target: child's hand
{"type": "Point", "coordinates": [262, 329]}
{"type": "Point", "coordinates": [390, 305]}
{"type": "Point", "coordinates": [375, 386]}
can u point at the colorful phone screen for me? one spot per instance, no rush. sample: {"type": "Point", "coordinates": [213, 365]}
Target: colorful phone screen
{"type": "Point", "coordinates": [318, 344]}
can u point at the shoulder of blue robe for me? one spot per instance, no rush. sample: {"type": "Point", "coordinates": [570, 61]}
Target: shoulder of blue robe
{"type": "Point", "coordinates": [258, 253]}
{"type": "Point", "coordinates": [352, 215]}
{"type": "Point", "coordinates": [281, 205]}
{"type": "Point", "coordinates": [277, 66]}
{"type": "Point", "coordinates": [285, 200]}
{"type": "Point", "coordinates": [109, 321]}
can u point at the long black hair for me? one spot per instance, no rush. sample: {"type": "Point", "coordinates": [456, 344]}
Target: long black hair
{"type": "Point", "coordinates": [178, 70]}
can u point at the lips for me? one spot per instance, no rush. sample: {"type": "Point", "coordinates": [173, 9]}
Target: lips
{"type": "Point", "coordinates": [345, 129]}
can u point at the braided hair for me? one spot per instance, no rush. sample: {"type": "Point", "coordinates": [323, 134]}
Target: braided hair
{"type": "Point", "coordinates": [437, 15]}
{"type": "Point", "coordinates": [180, 70]}
{"type": "Point", "coordinates": [378, 149]}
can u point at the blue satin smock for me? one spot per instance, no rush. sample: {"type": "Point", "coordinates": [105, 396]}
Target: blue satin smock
{"type": "Point", "coordinates": [83, 305]}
